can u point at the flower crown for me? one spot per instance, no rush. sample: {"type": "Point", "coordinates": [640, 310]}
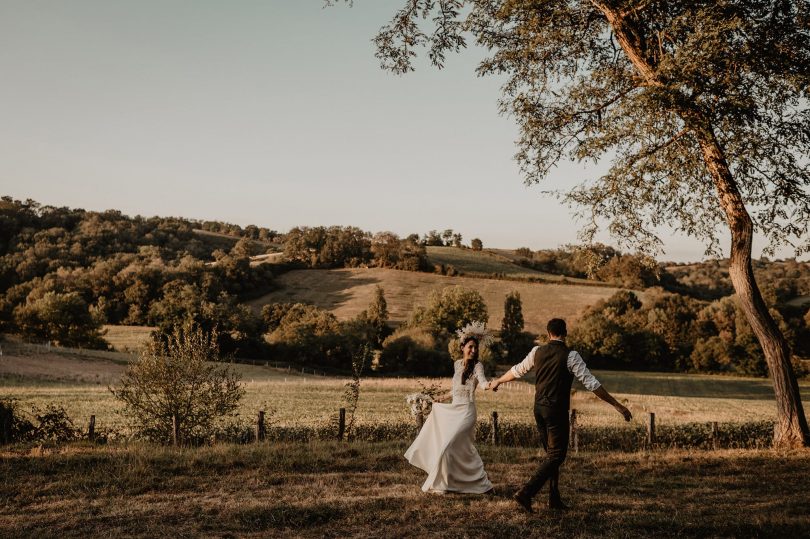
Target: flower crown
{"type": "Point", "coordinates": [478, 331]}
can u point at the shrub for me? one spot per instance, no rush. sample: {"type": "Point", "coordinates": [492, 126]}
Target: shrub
{"type": "Point", "coordinates": [312, 335]}
{"type": "Point", "coordinates": [179, 379]}
{"type": "Point", "coordinates": [417, 351]}
{"type": "Point", "coordinates": [54, 425]}
{"type": "Point", "coordinates": [13, 427]}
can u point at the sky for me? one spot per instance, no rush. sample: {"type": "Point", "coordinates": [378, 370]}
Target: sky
{"type": "Point", "coordinates": [267, 112]}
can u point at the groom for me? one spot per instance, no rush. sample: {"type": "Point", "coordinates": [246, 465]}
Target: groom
{"type": "Point", "coordinates": [555, 366]}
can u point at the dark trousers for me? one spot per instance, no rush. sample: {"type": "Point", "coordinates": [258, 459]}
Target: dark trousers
{"type": "Point", "coordinates": [553, 427]}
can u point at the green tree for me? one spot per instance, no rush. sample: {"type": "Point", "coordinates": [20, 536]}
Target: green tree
{"type": "Point", "coordinates": [180, 381]}
{"type": "Point", "coordinates": [311, 335]}
{"type": "Point", "coordinates": [450, 310]}
{"type": "Point", "coordinates": [702, 106]}
{"type": "Point", "coordinates": [377, 317]}
{"type": "Point", "coordinates": [63, 318]}
{"type": "Point", "coordinates": [512, 324]}
{"type": "Point", "coordinates": [476, 244]}
{"type": "Point", "coordinates": [416, 351]}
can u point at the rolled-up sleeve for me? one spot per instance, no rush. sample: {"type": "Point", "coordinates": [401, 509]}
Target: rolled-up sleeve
{"type": "Point", "coordinates": [577, 367]}
{"type": "Point", "coordinates": [520, 370]}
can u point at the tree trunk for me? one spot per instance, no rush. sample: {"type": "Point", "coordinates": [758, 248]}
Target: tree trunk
{"type": "Point", "coordinates": [791, 429]}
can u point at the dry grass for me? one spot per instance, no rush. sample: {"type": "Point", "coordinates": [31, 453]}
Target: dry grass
{"type": "Point", "coordinates": [490, 261]}
{"type": "Point", "coordinates": [308, 400]}
{"type": "Point", "coordinates": [127, 338]}
{"type": "Point", "coordinates": [329, 489]}
{"type": "Point", "coordinates": [346, 292]}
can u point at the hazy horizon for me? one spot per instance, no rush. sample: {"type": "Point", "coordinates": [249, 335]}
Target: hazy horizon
{"type": "Point", "coordinates": [268, 113]}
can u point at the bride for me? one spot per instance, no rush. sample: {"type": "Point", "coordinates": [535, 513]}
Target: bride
{"type": "Point", "coordinates": [444, 447]}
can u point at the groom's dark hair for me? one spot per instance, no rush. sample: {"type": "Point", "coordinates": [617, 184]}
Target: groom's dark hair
{"type": "Point", "coordinates": [556, 326]}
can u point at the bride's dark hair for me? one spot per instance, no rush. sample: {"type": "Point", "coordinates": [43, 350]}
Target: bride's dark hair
{"type": "Point", "coordinates": [469, 365]}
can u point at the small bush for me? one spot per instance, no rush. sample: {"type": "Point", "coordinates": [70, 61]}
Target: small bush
{"type": "Point", "coordinates": [13, 427]}
{"type": "Point", "coordinates": [417, 351]}
{"type": "Point", "coordinates": [54, 425]}
{"type": "Point", "coordinates": [179, 379]}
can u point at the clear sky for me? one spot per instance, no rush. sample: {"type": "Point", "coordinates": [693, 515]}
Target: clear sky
{"type": "Point", "coordinates": [266, 112]}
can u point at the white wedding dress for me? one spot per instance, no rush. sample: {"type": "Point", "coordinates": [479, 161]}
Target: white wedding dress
{"type": "Point", "coordinates": [444, 447]}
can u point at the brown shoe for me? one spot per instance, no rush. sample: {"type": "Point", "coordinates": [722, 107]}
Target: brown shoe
{"type": "Point", "coordinates": [523, 500]}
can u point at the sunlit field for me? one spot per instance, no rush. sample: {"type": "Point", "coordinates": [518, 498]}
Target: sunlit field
{"type": "Point", "coordinates": [290, 398]}
{"type": "Point", "coordinates": [346, 292]}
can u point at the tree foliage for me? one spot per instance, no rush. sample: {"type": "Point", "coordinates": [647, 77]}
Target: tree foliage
{"type": "Point", "coordinates": [450, 309]}
{"type": "Point", "coordinates": [62, 318]}
{"type": "Point", "coordinates": [702, 107]}
{"type": "Point", "coordinates": [514, 340]}
{"type": "Point", "coordinates": [179, 381]}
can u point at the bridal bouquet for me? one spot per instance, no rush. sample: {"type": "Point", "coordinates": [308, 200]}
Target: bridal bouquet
{"type": "Point", "coordinates": [420, 404]}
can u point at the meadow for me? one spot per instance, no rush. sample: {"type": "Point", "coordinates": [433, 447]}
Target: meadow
{"type": "Point", "coordinates": [80, 384]}
{"type": "Point", "coordinates": [334, 489]}
{"type": "Point", "coordinates": [492, 262]}
{"type": "Point", "coordinates": [324, 488]}
{"type": "Point", "coordinates": [346, 292]}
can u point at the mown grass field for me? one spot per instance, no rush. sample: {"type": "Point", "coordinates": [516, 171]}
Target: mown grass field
{"type": "Point", "coordinates": [346, 292]}
{"type": "Point", "coordinates": [294, 399]}
{"type": "Point", "coordinates": [490, 261]}
{"type": "Point", "coordinates": [333, 489]}
{"type": "Point", "coordinates": [127, 338]}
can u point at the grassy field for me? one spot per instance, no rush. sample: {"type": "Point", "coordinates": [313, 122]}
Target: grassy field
{"type": "Point", "coordinates": [346, 292]}
{"type": "Point", "coordinates": [294, 399]}
{"type": "Point", "coordinates": [332, 489]}
{"type": "Point", "coordinates": [490, 261]}
{"type": "Point", "coordinates": [127, 338]}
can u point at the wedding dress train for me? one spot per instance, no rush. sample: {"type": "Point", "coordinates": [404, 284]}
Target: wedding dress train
{"type": "Point", "coordinates": [444, 447]}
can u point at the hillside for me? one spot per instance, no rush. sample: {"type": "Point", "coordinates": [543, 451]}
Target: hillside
{"type": "Point", "coordinates": [346, 292]}
{"type": "Point", "coordinates": [489, 262]}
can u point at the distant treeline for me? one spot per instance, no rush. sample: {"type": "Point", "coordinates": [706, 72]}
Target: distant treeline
{"type": "Point", "coordinates": [66, 272]}
{"type": "Point", "coordinates": [672, 332]}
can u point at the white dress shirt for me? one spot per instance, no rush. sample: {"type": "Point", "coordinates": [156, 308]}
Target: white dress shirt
{"type": "Point", "coordinates": [576, 366]}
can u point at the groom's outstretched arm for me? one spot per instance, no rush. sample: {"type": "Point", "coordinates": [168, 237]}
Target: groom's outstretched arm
{"type": "Point", "coordinates": [602, 393]}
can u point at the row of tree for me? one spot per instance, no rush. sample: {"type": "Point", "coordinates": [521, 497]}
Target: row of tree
{"type": "Point", "coordinates": [672, 332]}
{"type": "Point", "coordinates": [338, 246]}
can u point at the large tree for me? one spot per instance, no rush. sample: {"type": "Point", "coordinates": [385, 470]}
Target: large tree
{"type": "Point", "coordinates": [700, 106]}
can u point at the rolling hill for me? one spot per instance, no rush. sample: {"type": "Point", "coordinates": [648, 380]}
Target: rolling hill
{"type": "Point", "coordinates": [346, 292]}
{"type": "Point", "coordinates": [489, 262]}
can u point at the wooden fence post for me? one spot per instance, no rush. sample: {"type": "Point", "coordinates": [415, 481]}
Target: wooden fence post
{"type": "Point", "coordinates": [715, 440]}
{"type": "Point", "coordinates": [91, 428]}
{"type": "Point", "coordinates": [260, 431]}
{"type": "Point", "coordinates": [175, 431]}
{"type": "Point", "coordinates": [573, 434]}
{"type": "Point", "coordinates": [496, 436]}
{"type": "Point", "coordinates": [651, 429]}
{"type": "Point", "coordinates": [341, 423]}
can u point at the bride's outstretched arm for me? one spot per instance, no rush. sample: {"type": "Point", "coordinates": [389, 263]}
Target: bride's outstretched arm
{"type": "Point", "coordinates": [515, 372]}
{"type": "Point", "coordinates": [482, 379]}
